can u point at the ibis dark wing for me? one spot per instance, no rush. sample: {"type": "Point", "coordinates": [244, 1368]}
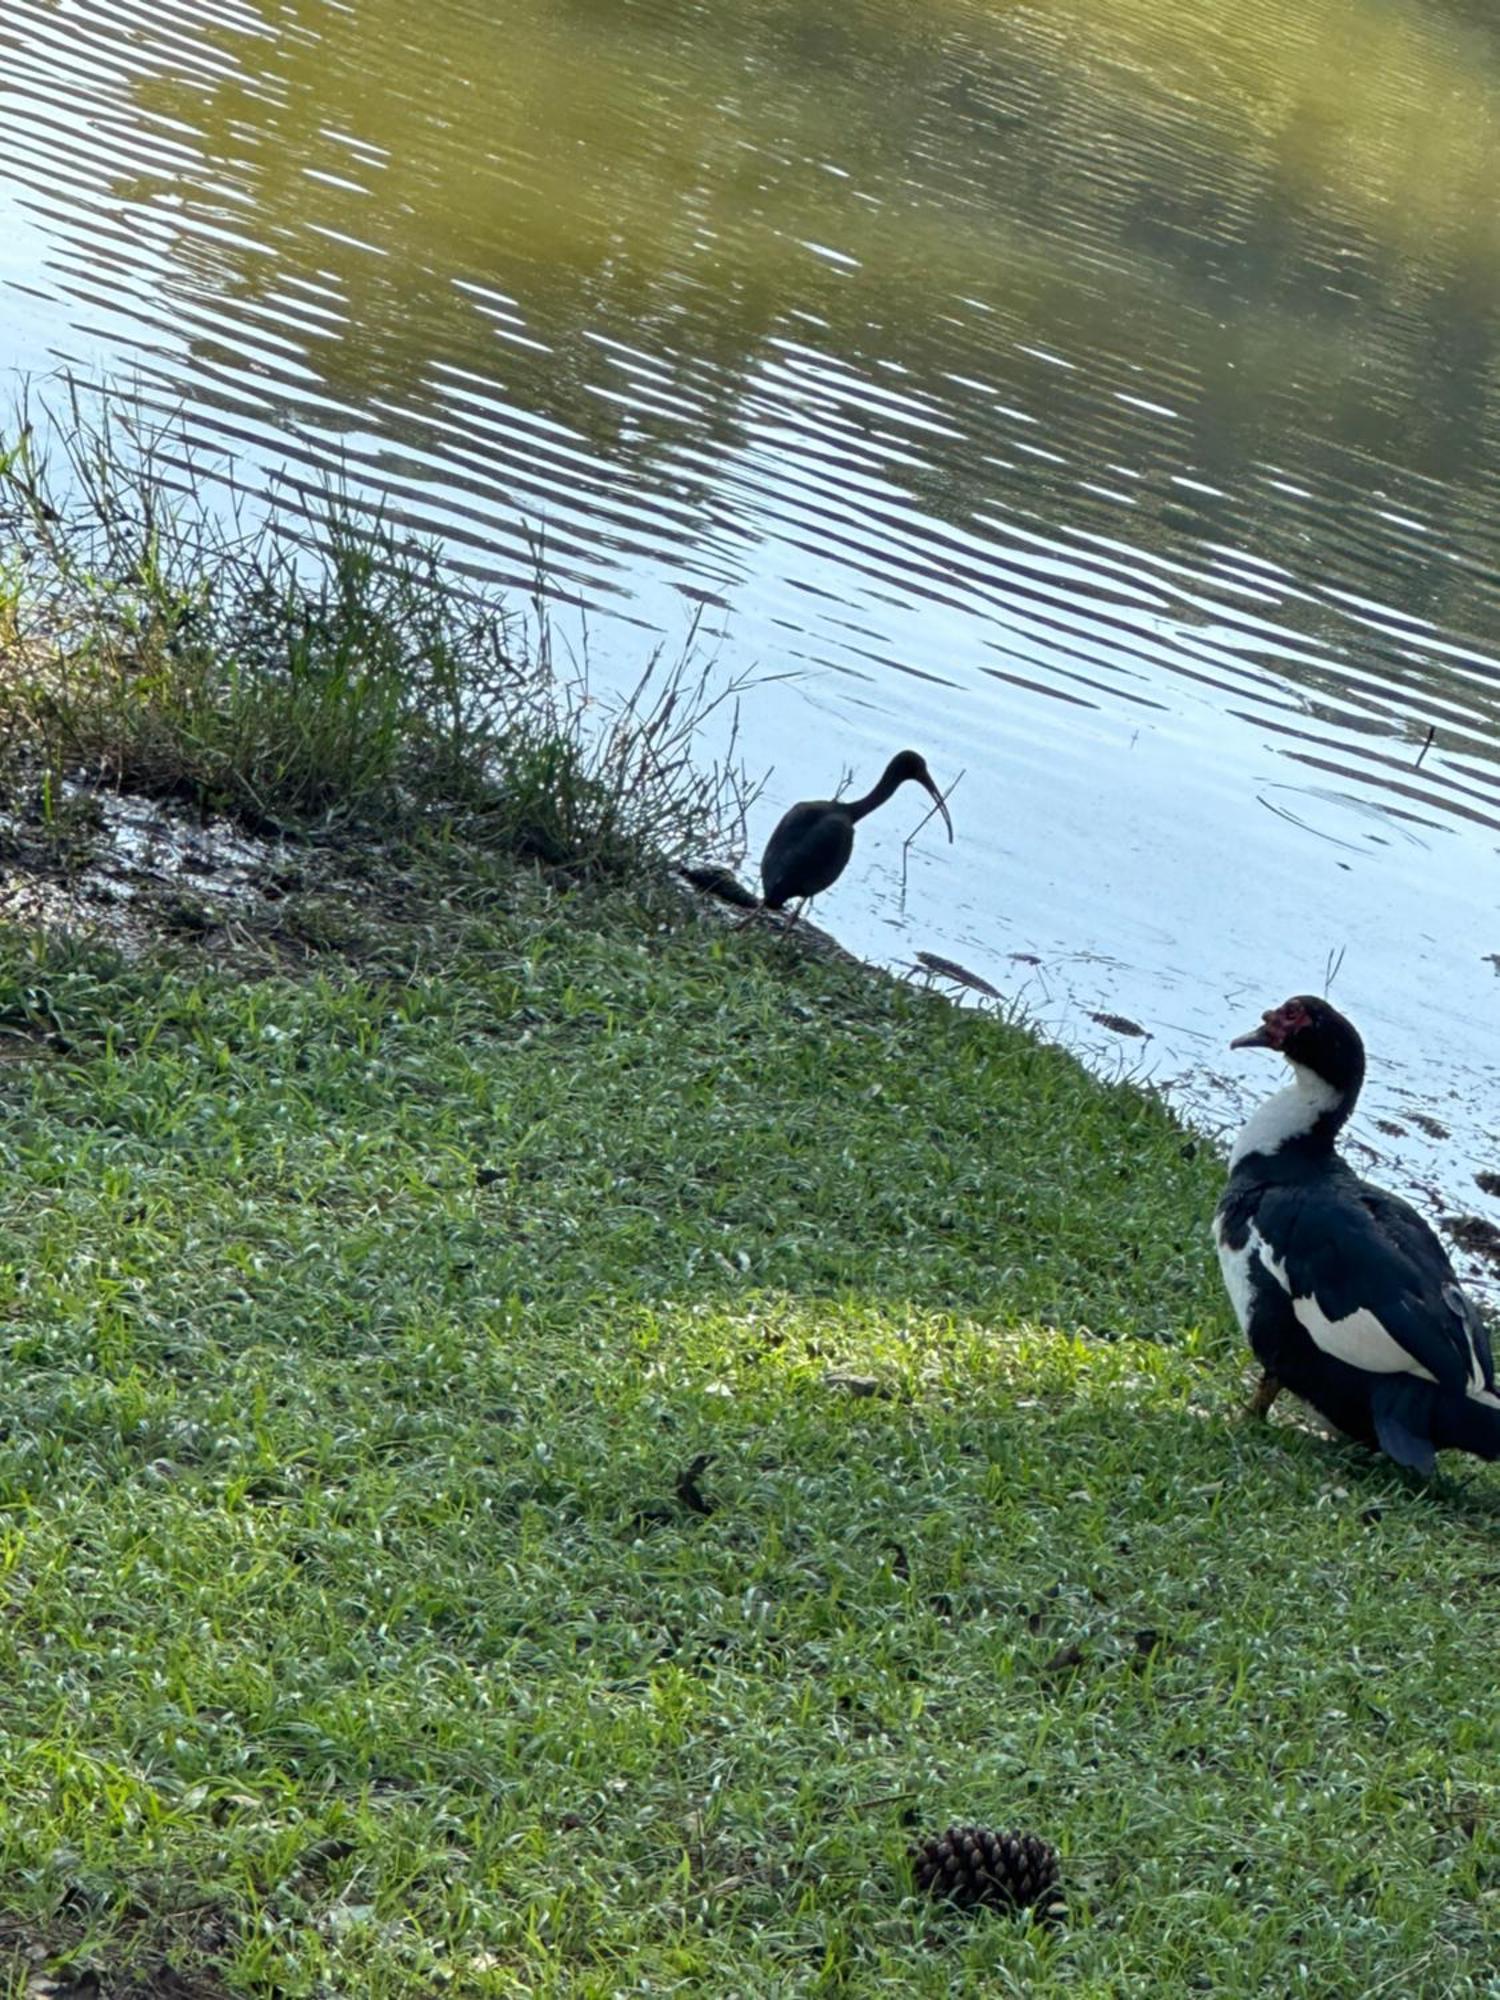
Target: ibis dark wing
{"type": "Point", "coordinates": [807, 851]}
{"type": "Point", "coordinates": [1348, 1252]}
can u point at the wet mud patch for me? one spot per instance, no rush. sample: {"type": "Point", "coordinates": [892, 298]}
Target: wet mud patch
{"type": "Point", "coordinates": [125, 870]}
{"type": "Point", "coordinates": [40, 1969]}
{"type": "Point", "coordinates": [1476, 1234]}
{"type": "Point", "coordinates": [90, 1984]}
{"type": "Point", "coordinates": [132, 874]}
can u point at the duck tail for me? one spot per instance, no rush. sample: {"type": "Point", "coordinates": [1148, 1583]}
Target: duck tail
{"type": "Point", "coordinates": [1414, 1420]}
{"type": "Point", "coordinates": [1467, 1423]}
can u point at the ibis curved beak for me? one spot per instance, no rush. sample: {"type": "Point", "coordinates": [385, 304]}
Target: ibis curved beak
{"type": "Point", "coordinates": [942, 807]}
{"type": "Point", "coordinates": [1258, 1038]}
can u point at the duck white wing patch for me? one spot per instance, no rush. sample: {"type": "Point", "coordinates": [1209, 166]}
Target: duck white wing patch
{"type": "Point", "coordinates": [1358, 1338]}
{"type": "Point", "coordinates": [1458, 1304]}
{"type": "Point", "coordinates": [1235, 1264]}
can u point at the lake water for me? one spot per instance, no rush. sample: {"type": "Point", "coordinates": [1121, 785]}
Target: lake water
{"type": "Point", "coordinates": [1100, 396]}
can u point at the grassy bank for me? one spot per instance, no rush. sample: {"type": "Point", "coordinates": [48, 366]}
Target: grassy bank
{"type": "Point", "coordinates": [363, 1635]}
{"type": "Point", "coordinates": [541, 1442]}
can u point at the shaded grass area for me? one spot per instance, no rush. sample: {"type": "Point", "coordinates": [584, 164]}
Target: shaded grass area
{"type": "Point", "coordinates": [361, 1633]}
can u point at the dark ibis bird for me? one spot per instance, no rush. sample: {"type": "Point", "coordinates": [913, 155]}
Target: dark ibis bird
{"type": "Point", "coordinates": [812, 842]}
{"type": "Point", "coordinates": [1343, 1291]}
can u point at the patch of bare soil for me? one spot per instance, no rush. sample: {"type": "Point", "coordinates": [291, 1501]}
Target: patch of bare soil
{"type": "Point", "coordinates": [38, 1970]}
{"type": "Point", "coordinates": [162, 1984]}
{"type": "Point", "coordinates": [132, 874]}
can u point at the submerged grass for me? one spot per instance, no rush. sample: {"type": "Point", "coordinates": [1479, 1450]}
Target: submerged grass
{"type": "Point", "coordinates": [538, 1453]}
{"type": "Point", "coordinates": [363, 1635]}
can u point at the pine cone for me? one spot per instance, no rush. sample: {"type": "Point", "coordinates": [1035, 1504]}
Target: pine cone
{"type": "Point", "coordinates": [973, 1866]}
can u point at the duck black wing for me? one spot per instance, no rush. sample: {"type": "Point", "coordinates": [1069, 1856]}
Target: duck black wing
{"type": "Point", "coordinates": [1414, 1239]}
{"type": "Point", "coordinates": [1371, 1284]}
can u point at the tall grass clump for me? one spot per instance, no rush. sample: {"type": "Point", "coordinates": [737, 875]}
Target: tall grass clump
{"type": "Point", "coordinates": [297, 673]}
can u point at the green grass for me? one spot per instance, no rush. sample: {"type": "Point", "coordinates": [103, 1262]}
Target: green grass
{"type": "Point", "coordinates": [355, 1636]}
{"type": "Point", "coordinates": [314, 674]}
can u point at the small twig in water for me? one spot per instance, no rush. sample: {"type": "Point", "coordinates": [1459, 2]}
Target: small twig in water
{"type": "Point", "coordinates": [1426, 745]}
{"type": "Point", "coordinates": [949, 968]}
{"type": "Point", "coordinates": [906, 844]}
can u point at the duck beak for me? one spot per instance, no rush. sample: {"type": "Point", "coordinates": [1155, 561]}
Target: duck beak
{"type": "Point", "coordinates": [942, 808]}
{"type": "Point", "coordinates": [1258, 1038]}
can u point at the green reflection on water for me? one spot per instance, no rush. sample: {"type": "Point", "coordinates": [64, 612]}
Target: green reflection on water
{"type": "Point", "coordinates": [1282, 210]}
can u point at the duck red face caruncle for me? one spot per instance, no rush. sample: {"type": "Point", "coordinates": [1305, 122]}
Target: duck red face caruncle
{"type": "Point", "coordinates": [1280, 1025]}
{"type": "Point", "coordinates": [1315, 1037]}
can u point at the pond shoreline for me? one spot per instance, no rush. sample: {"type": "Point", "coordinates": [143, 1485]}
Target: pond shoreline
{"type": "Point", "coordinates": [136, 873]}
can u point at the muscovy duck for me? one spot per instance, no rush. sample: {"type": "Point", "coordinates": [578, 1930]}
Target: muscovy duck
{"type": "Point", "coordinates": [811, 844]}
{"type": "Point", "coordinates": [1343, 1291]}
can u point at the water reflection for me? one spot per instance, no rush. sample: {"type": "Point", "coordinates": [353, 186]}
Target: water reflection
{"type": "Point", "coordinates": [1102, 397]}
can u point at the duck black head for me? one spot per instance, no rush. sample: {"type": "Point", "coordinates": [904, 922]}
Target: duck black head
{"type": "Point", "coordinates": [1328, 1067]}
{"type": "Point", "coordinates": [1312, 1036]}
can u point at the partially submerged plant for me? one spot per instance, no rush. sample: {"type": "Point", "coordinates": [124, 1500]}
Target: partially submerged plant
{"type": "Point", "coordinates": [296, 671]}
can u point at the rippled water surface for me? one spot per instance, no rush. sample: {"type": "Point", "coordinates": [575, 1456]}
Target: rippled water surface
{"type": "Point", "coordinates": [1100, 396]}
